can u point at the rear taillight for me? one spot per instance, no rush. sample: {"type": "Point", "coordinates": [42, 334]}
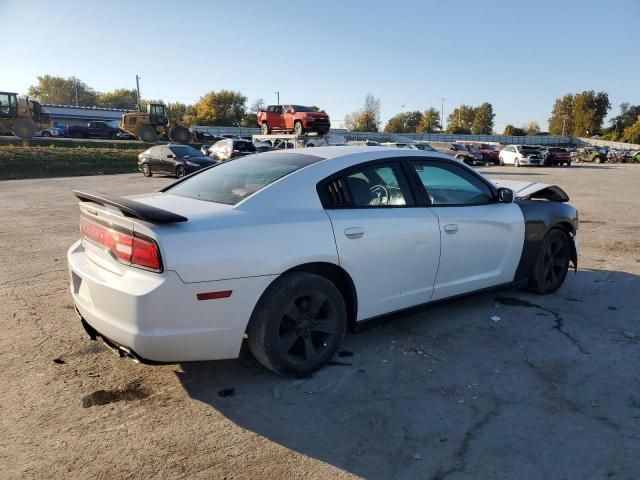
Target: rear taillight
{"type": "Point", "coordinates": [124, 246]}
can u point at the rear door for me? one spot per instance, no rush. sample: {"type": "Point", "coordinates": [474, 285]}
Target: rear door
{"type": "Point", "coordinates": [389, 246]}
{"type": "Point", "coordinates": [481, 239]}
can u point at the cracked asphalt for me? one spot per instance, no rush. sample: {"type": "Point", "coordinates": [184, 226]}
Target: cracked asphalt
{"type": "Point", "coordinates": [550, 390]}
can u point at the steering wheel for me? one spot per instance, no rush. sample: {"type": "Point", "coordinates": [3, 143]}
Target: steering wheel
{"type": "Point", "coordinates": [380, 192]}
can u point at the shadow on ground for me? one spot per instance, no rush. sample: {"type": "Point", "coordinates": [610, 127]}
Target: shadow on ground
{"type": "Point", "coordinates": [548, 388]}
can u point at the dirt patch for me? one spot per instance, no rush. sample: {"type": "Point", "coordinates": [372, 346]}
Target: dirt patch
{"type": "Point", "coordinates": [135, 390]}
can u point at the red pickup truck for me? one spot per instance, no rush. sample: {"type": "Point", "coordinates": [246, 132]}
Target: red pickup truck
{"type": "Point", "coordinates": [292, 118]}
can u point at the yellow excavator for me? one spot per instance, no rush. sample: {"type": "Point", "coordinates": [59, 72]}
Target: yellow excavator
{"type": "Point", "coordinates": [154, 125]}
{"type": "Point", "coordinates": [21, 116]}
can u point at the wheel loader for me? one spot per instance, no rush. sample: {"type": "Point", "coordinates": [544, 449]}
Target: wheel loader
{"type": "Point", "coordinates": [154, 125]}
{"type": "Point", "coordinates": [21, 116]}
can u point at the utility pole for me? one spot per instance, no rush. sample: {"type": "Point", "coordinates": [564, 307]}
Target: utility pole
{"type": "Point", "coordinates": [75, 86]}
{"type": "Point", "coordinates": [138, 92]}
{"type": "Point", "coordinates": [442, 113]}
{"type": "Point", "coordinates": [564, 122]}
{"type": "Point", "coordinates": [278, 95]}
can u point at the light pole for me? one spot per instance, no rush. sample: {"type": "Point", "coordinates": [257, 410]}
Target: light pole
{"type": "Point", "coordinates": [278, 95]}
{"type": "Point", "coordinates": [138, 92]}
{"type": "Point", "coordinates": [564, 123]}
{"type": "Point", "coordinates": [442, 113]}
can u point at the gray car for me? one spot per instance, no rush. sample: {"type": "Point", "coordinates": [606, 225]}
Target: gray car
{"type": "Point", "coordinates": [459, 151]}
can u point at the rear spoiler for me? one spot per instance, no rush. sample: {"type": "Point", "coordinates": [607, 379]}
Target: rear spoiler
{"type": "Point", "coordinates": [131, 208]}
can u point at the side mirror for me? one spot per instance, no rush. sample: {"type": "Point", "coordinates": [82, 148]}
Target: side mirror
{"type": "Point", "coordinates": [505, 195]}
{"type": "Point", "coordinates": [171, 156]}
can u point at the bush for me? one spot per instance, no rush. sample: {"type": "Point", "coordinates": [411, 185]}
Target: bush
{"type": "Point", "coordinates": [40, 162]}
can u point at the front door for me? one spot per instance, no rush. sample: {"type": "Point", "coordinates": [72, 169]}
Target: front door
{"type": "Point", "coordinates": [389, 246]}
{"type": "Point", "coordinates": [481, 239]}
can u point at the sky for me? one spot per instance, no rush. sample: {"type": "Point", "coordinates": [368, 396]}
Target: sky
{"type": "Point", "coordinates": [519, 56]}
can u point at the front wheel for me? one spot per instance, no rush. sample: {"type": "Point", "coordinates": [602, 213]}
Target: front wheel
{"type": "Point", "coordinates": [297, 128]}
{"type": "Point", "coordinates": [146, 171]}
{"type": "Point", "coordinates": [148, 134]}
{"type": "Point", "coordinates": [501, 162]}
{"type": "Point", "coordinates": [517, 162]}
{"type": "Point", "coordinates": [264, 129]}
{"type": "Point", "coordinates": [552, 262]}
{"type": "Point", "coordinates": [298, 324]}
{"type": "Point", "coordinates": [180, 135]}
{"type": "Point", "coordinates": [46, 134]}
{"type": "Point", "coordinates": [180, 171]}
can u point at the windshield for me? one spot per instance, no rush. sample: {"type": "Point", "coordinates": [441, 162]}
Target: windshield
{"type": "Point", "coordinates": [300, 108]}
{"type": "Point", "coordinates": [232, 181]}
{"type": "Point", "coordinates": [185, 151]}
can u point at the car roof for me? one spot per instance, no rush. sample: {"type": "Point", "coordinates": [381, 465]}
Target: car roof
{"type": "Point", "coordinates": [331, 152]}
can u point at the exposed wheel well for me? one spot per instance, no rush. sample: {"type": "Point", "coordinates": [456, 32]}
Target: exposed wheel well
{"type": "Point", "coordinates": [341, 279]}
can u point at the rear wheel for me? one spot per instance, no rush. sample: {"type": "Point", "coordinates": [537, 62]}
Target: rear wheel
{"type": "Point", "coordinates": [597, 160]}
{"type": "Point", "coordinates": [501, 162]}
{"type": "Point", "coordinates": [24, 128]}
{"type": "Point", "coordinates": [148, 134]}
{"type": "Point", "coordinates": [552, 262]}
{"type": "Point", "coordinates": [517, 162]}
{"type": "Point", "coordinates": [180, 135]}
{"type": "Point", "coordinates": [180, 171]}
{"type": "Point", "coordinates": [297, 128]}
{"type": "Point", "coordinates": [264, 129]}
{"type": "Point", "coordinates": [146, 171]}
{"type": "Point", "coordinates": [46, 133]}
{"type": "Point", "coordinates": [298, 324]}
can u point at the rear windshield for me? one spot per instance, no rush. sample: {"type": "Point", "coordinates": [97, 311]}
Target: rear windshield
{"type": "Point", "coordinates": [244, 146]}
{"type": "Point", "coordinates": [300, 108]}
{"type": "Point", "coordinates": [185, 151]}
{"type": "Point", "coordinates": [232, 181]}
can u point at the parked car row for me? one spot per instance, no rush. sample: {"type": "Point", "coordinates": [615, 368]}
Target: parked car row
{"type": "Point", "coordinates": [93, 129]}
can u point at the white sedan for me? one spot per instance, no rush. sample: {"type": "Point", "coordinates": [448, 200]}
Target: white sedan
{"type": "Point", "coordinates": [519, 155]}
{"type": "Point", "coordinates": [292, 247]}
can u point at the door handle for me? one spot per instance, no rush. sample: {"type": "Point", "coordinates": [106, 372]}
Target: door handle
{"type": "Point", "coordinates": [451, 228]}
{"type": "Point", "coordinates": [354, 232]}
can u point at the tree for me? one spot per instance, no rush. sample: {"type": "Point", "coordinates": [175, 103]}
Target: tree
{"type": "Point", "coordinates": [223, 108]}
{"type": "Point", "coordinates": [181, 111]}
{"type": "Point", "coordinates": [589, 110]}
{"type": "Point", "coordinates": [63, 91]}
{"type": "Point", "coordinates": [561, 120]}
{"type": "Point", "coordinates": [430, 122]}
{"type": "Point", "coordinates": [628, 115]}
{"type": "Point", "coordinates": [405, 122]}
{"type": "Point", "coordinates": [532, 128]}
{"type": "Point", "coordinates": [514, 131]}
{"type": "Point", "coordinates": [120, 98]}
{"type": "Point", "coordinates": [483, 119]}
{"type": "Point", "coordinates": [631, 134]}
{"type": "Point", "coordinates": [580, 114]}
{"type": "Point", "coordinates": [461, 119]}
{"type": "Point", "coordinates": [250, 118]}
{"type": "Point", "coordinates": [367, 119]}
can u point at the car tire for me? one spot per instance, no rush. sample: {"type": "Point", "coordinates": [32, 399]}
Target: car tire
{"type": "Point", "coordinates": [46, 134]}
{"type": "Point", "coordinates": [597, 160]}
{"type": "Point", "coordinates": [148, 134]}
{"type": "Point", "coordinates": [517, 162]}
{"type": "Point", "coordinates": [180, 171]}
{"type": "Point", "coordinates": [298, 324]}
{"type": "Point", "coordinates": [297, 128]}
{"type": "Point", "coordinates": [501, 161]}
{"type": "Point", "coordinates": [180, 135]}
{"type": "Point", "coordinates": [146, 170]}
{"type": "Point", "coordinates": [264, 129]}
{"type": "Point", "coordinates": [552, 262]}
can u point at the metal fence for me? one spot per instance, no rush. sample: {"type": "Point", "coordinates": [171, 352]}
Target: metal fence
{"type": "Point", "coordinates": [605, 143]}
{"type": "Point", "coordinates": [439, 137]}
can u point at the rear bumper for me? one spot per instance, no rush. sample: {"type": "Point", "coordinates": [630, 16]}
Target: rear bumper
{"type": "Point", "coordinates": [157, 317]}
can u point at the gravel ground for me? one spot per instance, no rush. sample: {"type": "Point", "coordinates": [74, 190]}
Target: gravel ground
{"type": "Point", "coordinates": [551, 390]}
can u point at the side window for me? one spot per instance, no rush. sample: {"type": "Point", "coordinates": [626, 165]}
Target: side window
{"type": "Point", "coordinates": [451, 185]}
{"type": "Point", "coordinates": [378, 185]}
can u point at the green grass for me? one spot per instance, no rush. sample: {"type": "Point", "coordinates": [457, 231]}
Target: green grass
{"type": "Point", "coordinates": [74, 143]}
{"type": "Point", "coordinates": [44, 162]}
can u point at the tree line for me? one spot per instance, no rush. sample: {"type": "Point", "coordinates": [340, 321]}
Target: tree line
{"type": "Point", "coordinates": [576, 114]}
